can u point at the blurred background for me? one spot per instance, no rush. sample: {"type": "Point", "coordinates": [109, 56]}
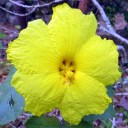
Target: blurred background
{"type": "Point", "coordinates": [14, 16]}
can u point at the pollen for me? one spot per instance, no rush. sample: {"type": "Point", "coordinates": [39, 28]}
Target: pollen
{"type": "Point", "coordinates": [67, 71]}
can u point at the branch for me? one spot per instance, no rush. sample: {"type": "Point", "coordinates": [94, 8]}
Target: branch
{"type": "Point", "coordinates": [36, 6]}
{"type": "Point", "coordinates": [122, 39]}
{"type": "Point", "coordinates": [83, 5]}
{"type": "Point", "coordinates": [113, 122]}
{"type": "Point", "coordinates": [122, 94]}
{"type": "Point", "coordinates": [103, 15]}
{"type": "Point", "coordinates": [26, 6]}
{"type": "Point", "coordinates": [18, 14]}
{"type": "Point", "coordinates": [11, 31]}
{"type": "Point", "coordinates": [124, 55]}
{"type": "Point", "coordinates": [109, 28]}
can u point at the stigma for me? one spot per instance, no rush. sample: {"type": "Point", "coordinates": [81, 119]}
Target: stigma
{"type": "Point", "coordinates": [67, 71]}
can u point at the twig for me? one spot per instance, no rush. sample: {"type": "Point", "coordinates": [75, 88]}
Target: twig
{"type": "Point", "coordinates": [56, 113]}
{"type": "Point", "coordinates": [11, 125]}
{"type": "Point", "coordinates": [122, 94]}
{"type": "Point", "coordinates": [83, 5]}
{"type": "Point", "coordinates": [109, 28]}
{"type": "Point", "coordinates": [16, 33]}
{"type": "Point", "coordinates": [26, 6]}
{"type": "Point", "coordinates": [103, 14]}
{"type": "Point", "coordinates": [114, 34]}
{"type": "Point", "coordinates": [124, 54]}
{"type": "Point", "coordinates": [35, 6]}
{"type": "Point", "coordinates": [18, 14]}
{"type": "Point", "coordinates": [113, 122]}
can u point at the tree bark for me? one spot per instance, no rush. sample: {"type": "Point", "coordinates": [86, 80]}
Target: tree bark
{"type": "Point", "coordinates": [83, 5]}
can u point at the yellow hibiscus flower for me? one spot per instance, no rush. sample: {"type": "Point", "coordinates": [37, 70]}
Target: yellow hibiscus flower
{"type": "Point", "coordinates": [64, 65]}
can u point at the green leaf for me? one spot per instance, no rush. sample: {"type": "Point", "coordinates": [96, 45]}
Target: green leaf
{"type": "Point", "coordinates": [1, 46]}
{"type": "Point", "coordinates": [110, 91]}
{"type": "Point", "coordinates": [2, 35]}
{"type": "Point", "coordinates": [101, 126]}
{"type": "Point", "coordinates": [17, 26]}
{"type": "Point", "coordinates": [11, 103]}
{"type": "Point", "coordinates": [107, 124]}
{"type": "Point", "coordinates": [52, 122]}
{"type": "Point", "coordinates": [82, 124]}
{"type": "Point", "coordinates": [42, 122]}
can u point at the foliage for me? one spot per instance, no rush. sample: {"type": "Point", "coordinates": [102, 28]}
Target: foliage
{"type": "Point", "coordinates": [1, 46]}
{"type": "Point", "coordinates": [18, 27]}
{"type": "Point", "coordinates": [2, 35]}
{"type": "Point", "coordinates": [11, 103]}
{"type": "Point", "coordinates": [38, 122]}
{"type": "Point", "coordinates": [52, 122]}
{"type": "Point", "coordinates": [110, 91]}
{"type": "Point", "coordinates": [107, 124]}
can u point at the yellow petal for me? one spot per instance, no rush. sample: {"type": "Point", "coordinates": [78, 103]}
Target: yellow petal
{"type": "Point", "coordinates": [32, 51]}
{"type": "Point", "coordinates": [86, 96]}
{"type": "Point", "coordinates": [99, 59]}
{"type": "Point", "coordinates": [42, 93]}
{"type": "Point", "coordinates": [70, 29]}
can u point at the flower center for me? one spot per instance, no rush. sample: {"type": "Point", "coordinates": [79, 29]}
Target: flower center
{"type": "Point", "coordinates": [67, 71]}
